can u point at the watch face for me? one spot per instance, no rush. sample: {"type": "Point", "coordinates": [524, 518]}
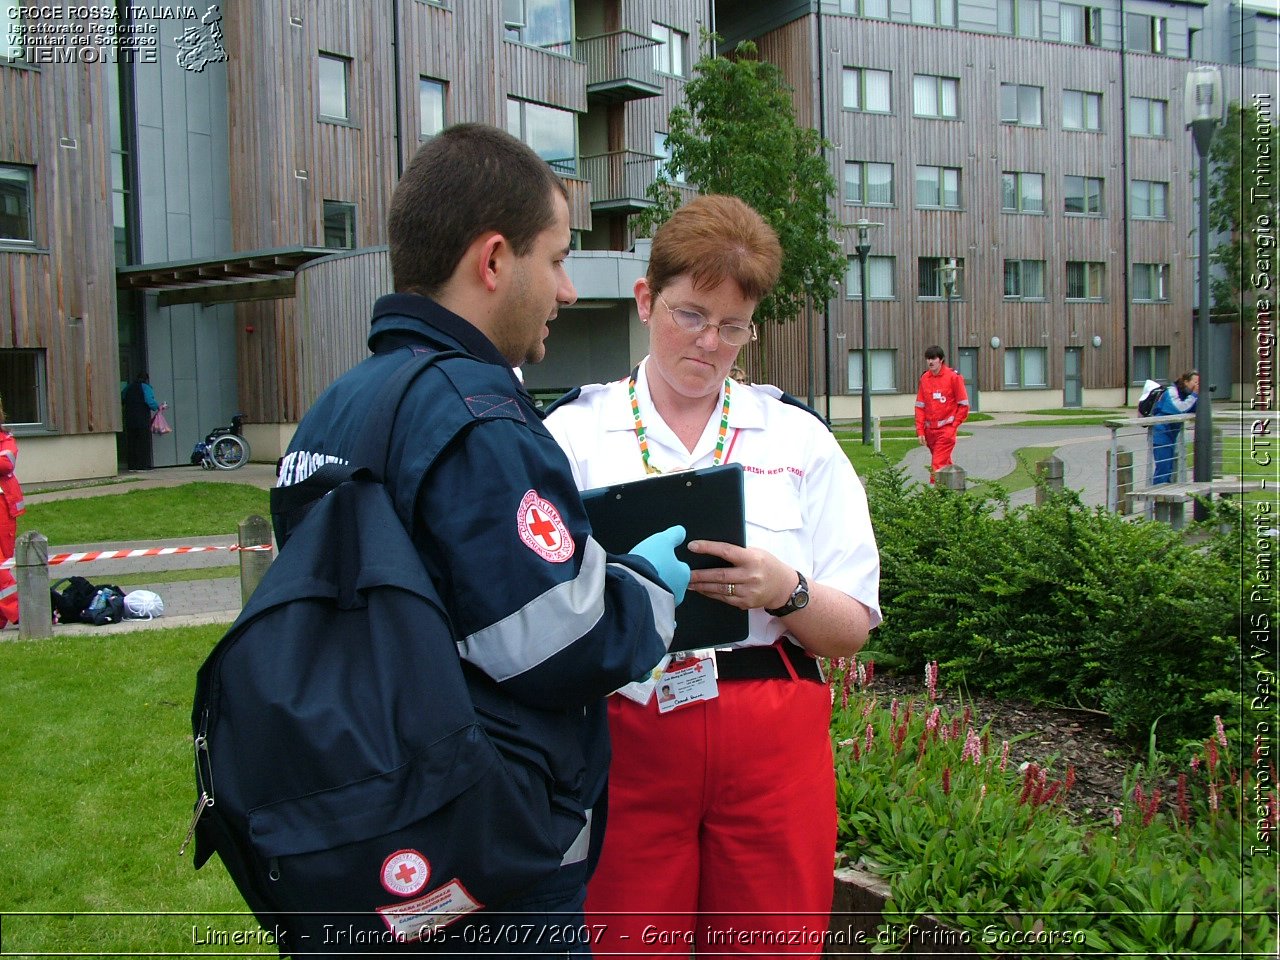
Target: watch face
{"type": "Point", "coordinates": [800, 600]}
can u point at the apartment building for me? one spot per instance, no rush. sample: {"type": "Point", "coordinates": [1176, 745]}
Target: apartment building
{"type": "Point", "coordinates": [200, 192]}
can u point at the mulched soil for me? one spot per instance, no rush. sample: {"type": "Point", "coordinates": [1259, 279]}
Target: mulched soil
{"type": "Point", "coordinates": [1050, 735]}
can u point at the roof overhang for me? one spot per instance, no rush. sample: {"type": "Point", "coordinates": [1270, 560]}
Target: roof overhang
{"type": "Point", "coordinates": [261, 275]}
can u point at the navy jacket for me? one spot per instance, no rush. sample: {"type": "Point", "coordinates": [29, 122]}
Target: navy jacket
{"type": "Point", "coordinates": [547, 617]}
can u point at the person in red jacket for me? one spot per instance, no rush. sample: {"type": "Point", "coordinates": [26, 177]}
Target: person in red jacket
{"type": "Point", "coordinates": [942, 403]}
{"type": "Point", "coordinates": [10, 507]}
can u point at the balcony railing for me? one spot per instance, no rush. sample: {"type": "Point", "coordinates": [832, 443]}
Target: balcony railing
{"type": "Point", "coordinates": [619, 180]}
{"type": "Point", "coordinates": [619, 66]}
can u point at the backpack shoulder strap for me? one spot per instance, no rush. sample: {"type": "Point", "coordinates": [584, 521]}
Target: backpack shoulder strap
{"type": "Point", "coordinates": [369, 460]}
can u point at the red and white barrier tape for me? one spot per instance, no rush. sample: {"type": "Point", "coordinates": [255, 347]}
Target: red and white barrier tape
{"type": "Point", "coordinates": [86, 556]}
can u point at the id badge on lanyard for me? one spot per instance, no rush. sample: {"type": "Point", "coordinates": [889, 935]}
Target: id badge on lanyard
{"type": "Point", "coordinates": [687, 680]}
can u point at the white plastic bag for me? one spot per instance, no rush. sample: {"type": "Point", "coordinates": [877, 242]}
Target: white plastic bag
{"type": "Point", "coordinates": [143, 605]}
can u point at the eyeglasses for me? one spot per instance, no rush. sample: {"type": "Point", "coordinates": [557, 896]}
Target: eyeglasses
{"type": "Point", "coordinates": [734, 334]}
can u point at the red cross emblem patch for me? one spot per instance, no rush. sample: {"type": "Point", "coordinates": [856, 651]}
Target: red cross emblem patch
{"type": "Point", "coordinates": [405, 872]}
{"type": "Point", "coordinates": [542, 530]}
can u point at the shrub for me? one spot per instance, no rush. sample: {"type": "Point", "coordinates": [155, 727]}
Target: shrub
{"type": "Point", "coordinates": [929, 803]}
{"type": "Point", "coordinates": [1060, 603]}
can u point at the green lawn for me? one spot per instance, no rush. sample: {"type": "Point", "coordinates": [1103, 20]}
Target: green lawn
{"type": "Point", "coordinates": [97, 795]}
{"type": "Point", "coordinates": [191, 510]}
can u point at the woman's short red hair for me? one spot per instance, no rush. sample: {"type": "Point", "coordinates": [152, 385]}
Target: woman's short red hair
{"type": "Point", "coordinates": [713, 238]}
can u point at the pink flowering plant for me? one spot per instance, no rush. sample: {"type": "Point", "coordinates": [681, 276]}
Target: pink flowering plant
{"type": "Point", "coordinates": [1183, 864]}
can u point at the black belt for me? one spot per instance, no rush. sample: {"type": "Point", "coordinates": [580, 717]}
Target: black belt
{"type": "Point", "coordinates": [766, 663]}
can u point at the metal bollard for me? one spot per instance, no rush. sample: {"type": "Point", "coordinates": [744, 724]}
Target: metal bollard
{"type": "Point", "coordinates": [253, 531]}
{"type": "Point", "coordinates": [31, 571]}
{"type": "Point", "coordinates": [951, 478]}
{"type": "Point", "coordinates": [1050, 471]}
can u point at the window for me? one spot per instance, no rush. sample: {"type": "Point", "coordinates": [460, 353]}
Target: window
{"type": "Point", "coordinates": [662, 149]}
{"type": "Point", "coordinates": [1024, 279]}
{"type": "Point", "coordinates": [930, 286]}
{"type": "Point", "coordinates": [668, 53]}
{"type": "Point", "coordinates": [333, 87]}
{"type": "Point", "coordinates": [1150, 363]}
{"type": "Point", "coordinates": [1081, 110]}
{"type": "Point", "coordinates": [1022, 192]}
{"type": "Point", "coordinates": [17, 218]}
{"type": "Point", "coordinates": [1146, 117]}
{"type": "Point", "coordinates": [1144, 34]}
{"type": "Point", "coordinates": [868, 184]}
{"type": "Point", "coordinates": [1080, 24]}
{"type": "Point", "coordinates": [1083, 196]}
{"type": "Point", "coordinates": [879, 279]}
{"type": "Point", "coordinates": [539, 23]}
{"type": "Point", "coordinates": [938, 187]}
{"type": "Point", "coordinates": [1018, 18]}
{"type": "Point", "coordinates": [339, 225]}
{"type": "Point", "coordinates": [1026, 367]}
{"type": "Point", "coordinates": [935, 96]}
{"type": "Point", "coordinates": [879, 9]}
{"type": "Point", "coordinates": [552, 133]}
{"type": "Point", "coordinates": [883, 365]}
{"type": "Point", "coordinates": [23, 374]}
{"type": "Point", "coordinates": [1150, 282]}
{"type": "Point", "coordinates": [430, 107]}
{"type": "Point", "coordinates": [1149, 200]}
{"type": "Point", "coordinates": [866, 90]}
{"type": "Point", "coordinates": [1020, 104]}
{"type": "Point", "coordinates": [1085, 280]}
{"type": "Point", "coordinates": [934, 13]}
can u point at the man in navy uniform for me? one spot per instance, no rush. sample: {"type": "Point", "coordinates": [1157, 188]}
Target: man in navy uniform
{"type": "Point", "coordinates": [546, 620]}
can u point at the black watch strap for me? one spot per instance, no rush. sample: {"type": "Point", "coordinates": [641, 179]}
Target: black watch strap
{"type": "Point", "coordinates": [798, 600]}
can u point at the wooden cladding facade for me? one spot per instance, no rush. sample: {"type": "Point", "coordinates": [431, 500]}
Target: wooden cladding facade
{"type": "Point", "coordinates": [979, 233]}
{"type": "Point", "coordinates": [57, 293]}
{"type": "Point", "coordinates": [288, 159]}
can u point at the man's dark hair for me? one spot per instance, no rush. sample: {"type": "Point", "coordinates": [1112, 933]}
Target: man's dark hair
{"type": "Point", "coordinates": [468, 180]}
{"type": "Point", "coordinates": [934, 351]}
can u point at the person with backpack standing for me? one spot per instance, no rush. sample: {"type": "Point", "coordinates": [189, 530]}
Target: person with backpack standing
{"type": "Point", "coordinates": [942, 404]}
{"type": "Point", "coordinates": [1181, 397]}
{"type": "Point", "coordinates": [547, 622]}
{"type": "Point", "coordinates": [11, 508]}
{"type": "Point", "coordinates": [140, 406]}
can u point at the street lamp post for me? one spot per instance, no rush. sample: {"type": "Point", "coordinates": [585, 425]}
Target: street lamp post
{"type": "Point", "coordinates": [863, 248]}
{"type": "Point", "coordinates": [949, 270]}
{"type": "Point", "coordinates": [1203, 110]}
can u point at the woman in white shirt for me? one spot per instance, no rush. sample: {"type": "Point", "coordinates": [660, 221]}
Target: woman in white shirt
{"type": "Point", "coordinates": [722, 807]}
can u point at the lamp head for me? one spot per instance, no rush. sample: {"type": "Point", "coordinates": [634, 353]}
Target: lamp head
{"type": "Point", "coordinates": [1203, 99]}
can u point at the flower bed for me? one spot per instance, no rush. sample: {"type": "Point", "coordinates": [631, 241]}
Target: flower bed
{"type": "Point", "coordinates": [930, 805]}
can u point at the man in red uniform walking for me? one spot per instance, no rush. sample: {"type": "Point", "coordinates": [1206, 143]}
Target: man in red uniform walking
{"type": "Point", "coordinates": [942, 403]}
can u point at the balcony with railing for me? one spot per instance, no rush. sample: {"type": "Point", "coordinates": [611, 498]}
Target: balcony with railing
{"type": "Point", "coordinates": [619, 180]}
{"type": "Point", "coordinates": [619, 66]}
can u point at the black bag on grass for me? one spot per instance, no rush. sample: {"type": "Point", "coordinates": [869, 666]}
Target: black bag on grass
{"type": "Point", "coordinates": [69, 598]}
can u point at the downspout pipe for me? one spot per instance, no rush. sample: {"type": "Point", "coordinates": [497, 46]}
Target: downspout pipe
{"type": "Point", "coordinates": [395, 86]}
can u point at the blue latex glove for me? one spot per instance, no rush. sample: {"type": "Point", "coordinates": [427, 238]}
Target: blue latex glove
{"type": "Point", "coordinates": [660, 550]}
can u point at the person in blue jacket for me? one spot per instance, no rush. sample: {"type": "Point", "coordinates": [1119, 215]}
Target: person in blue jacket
{"type": "Point", "coordinates": [547, 619]}
{"type": "Point", "coordinates": [1181, 397]}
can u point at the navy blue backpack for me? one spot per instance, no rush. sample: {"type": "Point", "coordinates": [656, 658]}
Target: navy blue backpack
{"type": "Point", "coordinates": [344, 775]}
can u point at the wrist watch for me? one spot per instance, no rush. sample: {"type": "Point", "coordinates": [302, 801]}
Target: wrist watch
{"type": "Point", "coordinates": [798, 600]}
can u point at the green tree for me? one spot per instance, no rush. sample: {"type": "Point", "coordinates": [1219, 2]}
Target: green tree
{"type": "Point", "coordinates": [736, 133]}
{"type": "Point", "coordinates": [1242, 205]}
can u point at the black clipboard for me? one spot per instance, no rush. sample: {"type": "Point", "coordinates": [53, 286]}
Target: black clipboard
{"type": "Point", "coordinates": [710, 504]}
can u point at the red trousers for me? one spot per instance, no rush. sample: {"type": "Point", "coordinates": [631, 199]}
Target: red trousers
{"type": "Point", "coordinates": [940, 441]}
{"type": "Point", "coordinates": [8, 586]}
{"type": "Point", "coordinates": [721, 826]}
